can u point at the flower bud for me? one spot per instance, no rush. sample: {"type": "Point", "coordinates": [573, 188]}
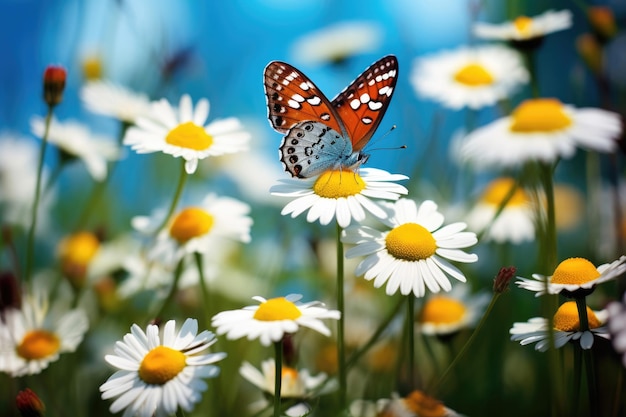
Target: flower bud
{"type": "Point", "coordinates": [53, 84]}
{"type": "Point", "coordinates": [502, 280]}
{"type": "Point", "coordinates": [29, 404]}
{"type": "Point", "coordinates": [602, 22]}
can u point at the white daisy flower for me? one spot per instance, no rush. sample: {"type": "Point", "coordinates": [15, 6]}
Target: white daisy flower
{"type": "Point", "coordinates": [34, 336]}
{"type": "Point", "coordinates": [110, 99]}
{"type": "Point", "coordinates": [472, 77]}
{"type": "Point", "coordinates": [515, 223]}
{"type": "Point", "coordinates": [337, 42]}
{"type": "Point", "coordinates": [182, 132]}
{"type": "Point", "coordinates": [339, 193]}
{"type": "Point", "coordinates": [198, 228]}
{"type": "Point", "coordinates": [566, 328]}
{"type": "Point", "coordinates": [75, 139]}
{"type": "Point", "coordinates": [412, 256]}
{"type": "Point", "coordinates": [158, 375]}
{"type": "Point", "coordinates": [524, 28]}
{"type": "Point", "coordinates": [298, 384]}
{"type": "Point", "coordinates": [541, 129]}
{"type": "Point", "coordinates": [617, 326]}
{"type": "Point", "coordinates": [574, 277]}
{"type": "Point", "coordinates": [273, 318]}
{"type": "Point", "coordinates": [415, 404]}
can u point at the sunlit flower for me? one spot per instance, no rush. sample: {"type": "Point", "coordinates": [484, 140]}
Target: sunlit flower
{"type": "Point", "coordinates": [340, 194]}
{"type": "Point", "coordinates": [574, 277]}
{"type": "Point", "coordinates": [182, 132]}
{"type": "Point", "coordinates": [541, 129]}
{"type": "Point", "coordinates": [157, 375]}
{"type": "Point", "coordinates": [75, 140]}
{"type": "Point", "coordinates": [34, 336]}
{"type": "Point", "coordinates": [337, 42]}
{"type": "Point", "coordinates": [617, 326]}
{"type": "Point", "coordinates": [446, 314]}
{"type": "Point", "coordinates": [469, 77]}
{"type": "Point", "coordinates": [514, 223]}
{"type": "Point", "coordinates": [413, 255]}
{"type": "Point", "coordinates": [566, 328]}
{"type": "Point", "coordinates": [273, 318]}
{"type": "Point", "coordinates": [524, 28]}
{"type": "Point", "coordinates": [75, 253]}
{"type": "Point", "coordinates": [109, 99]}
{"type": "Point", "coordinates": [298, 384]}
{"type": "Point", "coordinates": [198, 228]}
{"type": "Point", "coordinates": [416, 404]}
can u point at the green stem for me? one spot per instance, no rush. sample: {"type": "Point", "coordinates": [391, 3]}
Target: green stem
{"type": "Point", "coordinates": [410, 327]}
{"type": "Point", "coordinates": [499, 209]}
{"type": "Point", "coordinates": [341, 351]}
{"type": "Point", "coordinates": [581, 305]}
{"type": "Point", "coordinates": [177, 194]}
{"type": "Point", "coordinates": [170, 296]}
{"type": "Point", "coordinates": [278, 369]}
{"type": "Point", "coordinates": [578, 359]}
{"type": "Point", "coordinates": [203, 285]}
{"type": "Point", "coordinates": [30, 244]}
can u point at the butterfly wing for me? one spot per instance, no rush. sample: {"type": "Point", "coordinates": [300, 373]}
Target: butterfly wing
{"type": "Point", "coordinates": [362, 105]}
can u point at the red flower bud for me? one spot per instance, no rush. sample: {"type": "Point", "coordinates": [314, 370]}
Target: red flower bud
{"type": "Point", "coordinates": [53, 84]}
{"type": "Point", "coordinates": [29, 404]}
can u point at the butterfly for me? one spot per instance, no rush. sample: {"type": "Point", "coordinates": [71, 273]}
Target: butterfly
{"type": "Point", "coordinates": [322, 134]}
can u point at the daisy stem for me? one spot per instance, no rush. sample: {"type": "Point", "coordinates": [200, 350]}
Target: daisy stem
{"type": "Point", "coordinates": [341, 352]}
{"type": "Point", "coordinates": [170, 296]}
{"type": "Point", "coordinates": [278, 369]}
{"type": "Point", "coordinates": [30, 244]}
{"type": "Point", "coordinates": [203, 285]}
{"type": "Point", "coordinates": [177, 194]}
{"type": "Point", "coordinates": [578, 359]}
{"type": "Point", "coordinates": [581, 305]}
{"type": "Point", "coordinates": [410, 327]}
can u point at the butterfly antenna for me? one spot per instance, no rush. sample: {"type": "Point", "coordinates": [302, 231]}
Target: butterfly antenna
{"type": "Point", "coordinates": [391, 129]}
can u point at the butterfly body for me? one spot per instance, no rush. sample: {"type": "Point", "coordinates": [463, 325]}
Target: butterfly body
{"type": "Point", "coordinates": [323, 134]}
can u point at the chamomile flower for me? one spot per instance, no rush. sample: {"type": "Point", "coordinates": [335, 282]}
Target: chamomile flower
{"type": "Point", "coordinates": [414, 254]}
{"type": "Point", "coordinates": [469, 77]}
{"type": "Point", "coordinates": [76, 252]}
{"type": "Point", "coordinates": [273, 318]}
{"type": "Point", "coordinates": [617, 326]}
{"type": "Point", "coordinates": [110, 99]}
{"type": "Point", "coordinates": [415, 404]}
{"type": "Point", "coordinates": [75, 140]}
{"type": "Point", "coordinates": [515, 222]}
{"type": "Point", "coordinates": [157, 375]}
{"type": "Point", "coordinates": [525, 28]}
{"type": "Point", "coordinates": [340, 194]}
{"type": "Point", "coordinates": [541, 129]}
{"type": "Point", "coordinates": [566, 328]}
{"type": "Point", "coordinates": [295, 383]}
{"type": "Point", "coordinates": [181, 132]}
{"type": "Point", "coordinates": [34, 336]}
{"type": "Point", "coordinates": [574, 277]}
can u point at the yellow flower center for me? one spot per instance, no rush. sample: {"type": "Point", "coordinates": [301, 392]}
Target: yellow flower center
{"type": "Point", "coordinates": [161, 364]}
{"type": "Point", "coordinates": [76, 252]}
{"type": "Point", "coordinates": [410, 242]}
{"type": "Point", "coordinates": [277, 309]}
{"type": "Point", "coordinates": [442, 310]}
{"type": "Point", "coordinates": [473, 75]}
{"type": "Point", "coordinates": [498, 189]}
{"type": "Point", "coordinates": [92, 68]}
{"type": "Point", "coordinates": [189, 223]}
{"type": "Point", "coordinates": [424, 406]}
{"type": "Point", "coordinates": [289, 373]}
{"type": "Point", "coordinates": [338, 184]}
{"type": "Point", "coordinates": [38, 344]}
{"type": "Point", "coordinates": [574, 271]}
{"type": "Point", "coordinates": [189, 135]}
{"type": "Point", "coordinates": [539, 115]}
{"type": "Point", "coordinates": [523, 25]}
{"type": "Point", "coordinates": [566, 318]}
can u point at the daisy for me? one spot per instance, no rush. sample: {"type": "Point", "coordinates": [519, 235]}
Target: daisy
{"type": "Point", "coordinates": [182, 132]}
{"type": "Point", "coordinates": [341, 193]}
{"type": "Point", "coordinates": [447, 314]}
{"type": "Point", "coordinates": [34, 336]}
{"type": "Point", "coordinates": [516, 221]}
{"type": "Point", "coordinates": [541, 129]}
{"type": "Point", "coordinates": [566, 328]}
{"type": "Point", "coordinates": [415, 404]}
{"type": "Point", "coordinates": [109, 99]}
{"type": "Point", "coordinates": [75, 253]}
{"type": "Point", "coordinates": [574, 277]}
{"type": "Point", "coordinates": [273, 318]}
{"type": "Point", "coordinates": [74, 139]}
{"type": "Point", "coordinates": [337, 42]}
{"type": "Point", "coordinates": [158, 375]}
{"type": "Point", "coordinates": [412, 255]}
{"type": "Point", "coordinates": [469, 77]}
{"type": "Point", "coordinates": [198, 228]}
{"type": "Point", "coordinates": [525, 28]}
{"type": "Point", "coordinates": [617, 326]}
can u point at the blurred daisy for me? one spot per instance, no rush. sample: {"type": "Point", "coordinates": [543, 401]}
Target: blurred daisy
{"type": "Point", "coordinates": [342, 194]}
{"type": "Point", "coordinates": [414, 254]}
{"type": "Point", "coordinates": [541, 129]}
{"type": "Point", "coordinates": [158, 375]}
{"type": "Point", "coordinates": [75, 140]}
{"type": "Point", "coordinates": [416, 404]}
{"type": "Point", "coordinates": [273, 318]}
{"type": "Point", "coordinates": [109, 99]}
{"type": "Point", "coordinates": [515, 223]}
{"type": "Point", "coordinates": [197, 229]}
{"type": "Point", "coordinates": [469, 77]}
{"type": "Point", "coordinates": [182, 132]}
{"type": "Point", "coordinates": [524, 28]}
{"type": "Point", "coordinates": [75, 253]}
{"type": "Point", "coordinates": [617, 326]}
{"type": "Point", "coordinates": [447, 314]}
{"type": "Point", "coordinates": [574, 277]}
{"type": "Point", "coordinates": [34, 336]}
{"type": "Point", "coordinates": [566, 328]}
{"type": "Point", "coordinates": [337, 42]}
